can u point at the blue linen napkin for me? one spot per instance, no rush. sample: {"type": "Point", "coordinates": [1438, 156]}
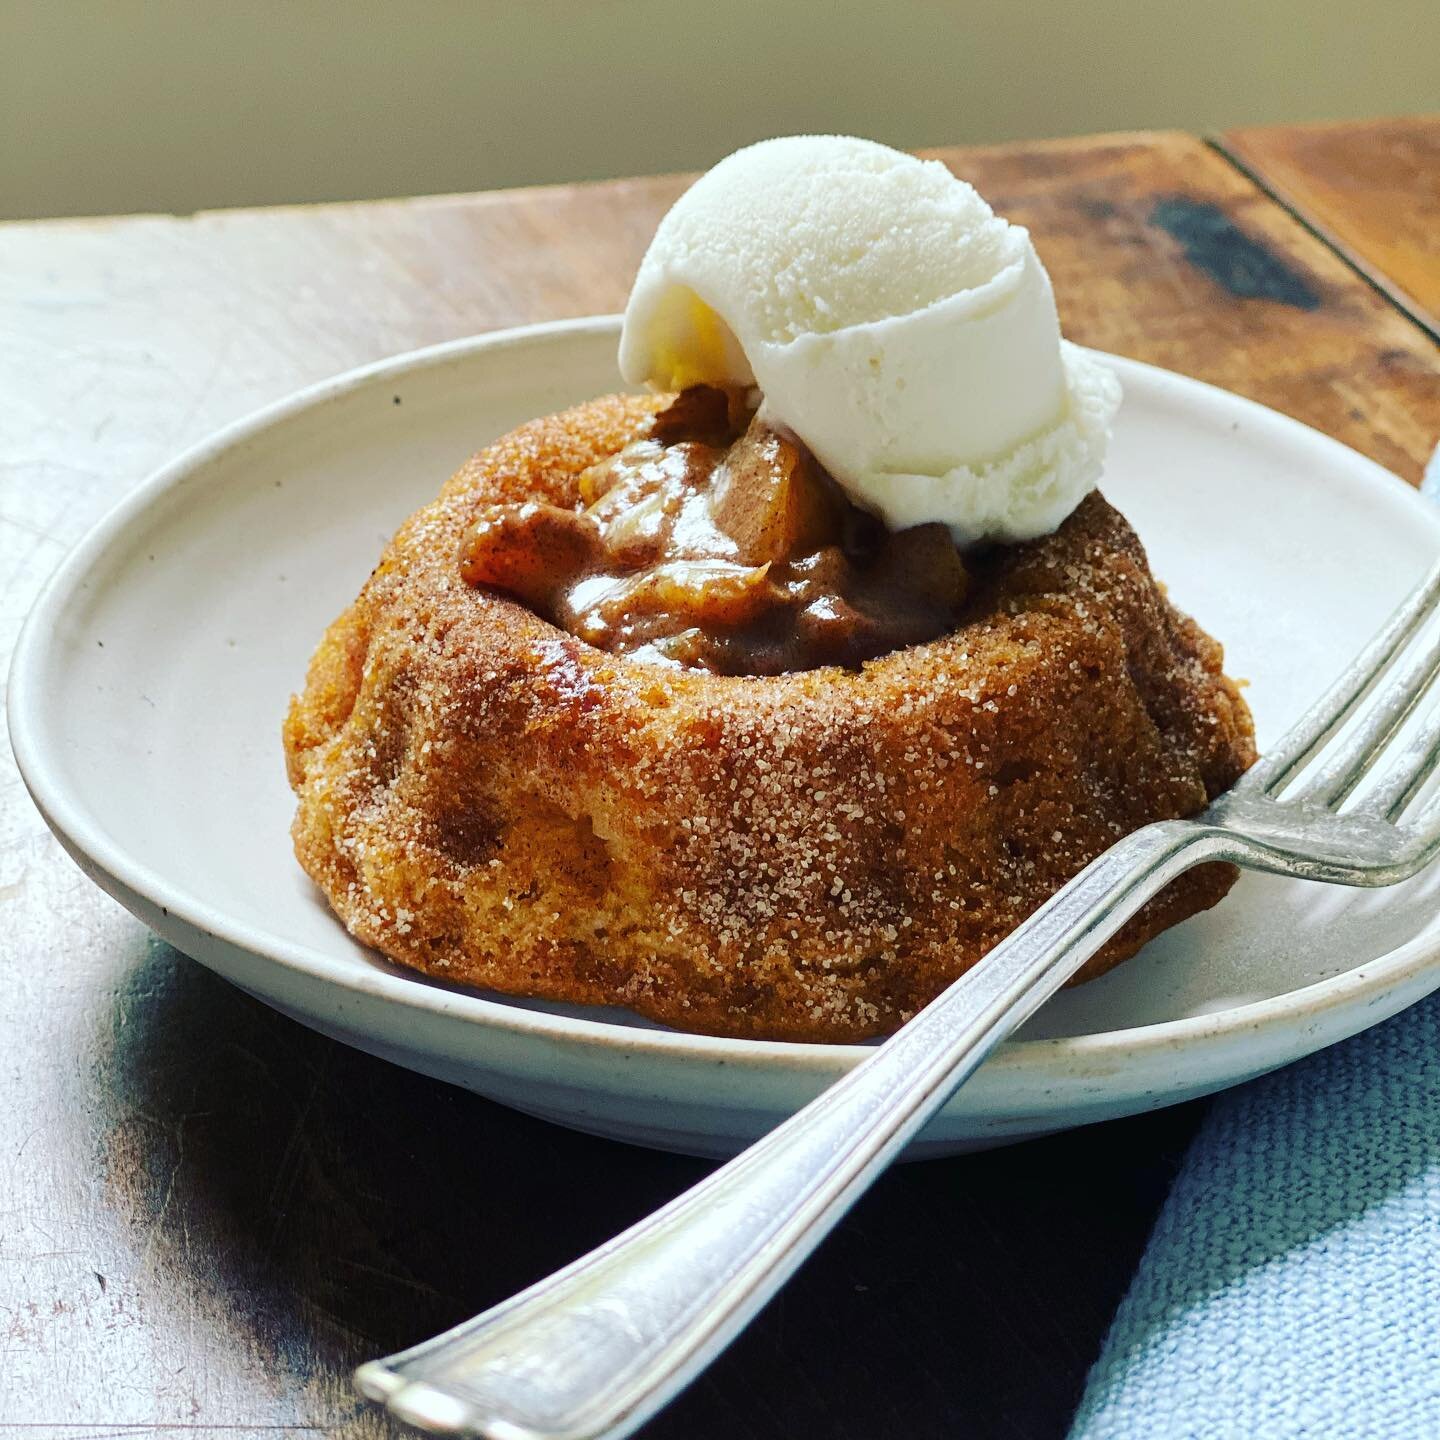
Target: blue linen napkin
{"type": "Point", "coordinates": [1291, 1287]}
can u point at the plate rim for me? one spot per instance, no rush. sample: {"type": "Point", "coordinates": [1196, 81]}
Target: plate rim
{"type": "Point", "coordinates": [81, 833]}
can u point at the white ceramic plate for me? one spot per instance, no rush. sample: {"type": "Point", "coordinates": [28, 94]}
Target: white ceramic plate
{"type": "Point", "coordinates": [150, 681]}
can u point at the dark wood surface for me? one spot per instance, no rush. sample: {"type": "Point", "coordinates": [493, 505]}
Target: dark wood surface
{"type": "Point", "coordinates": [208, 1215]}
{"type": "Point", "coordinates": [1371, 188]}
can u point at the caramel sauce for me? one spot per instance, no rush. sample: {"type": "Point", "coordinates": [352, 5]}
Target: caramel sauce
{"type": "Point", "coordinates": [717, 543]}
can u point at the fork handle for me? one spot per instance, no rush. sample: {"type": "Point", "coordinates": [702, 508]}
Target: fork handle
{"type": "Point", "coordinates": [595, 1349]}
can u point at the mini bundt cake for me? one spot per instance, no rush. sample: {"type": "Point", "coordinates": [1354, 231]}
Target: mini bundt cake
{"type": "Point", "coordinates": [811, 854]}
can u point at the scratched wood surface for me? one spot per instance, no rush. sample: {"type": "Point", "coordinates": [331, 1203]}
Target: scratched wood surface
{"type": "Point", "coordinates": [1372, 189]}
{"type": "Point", "coordinates": [208, 1215]}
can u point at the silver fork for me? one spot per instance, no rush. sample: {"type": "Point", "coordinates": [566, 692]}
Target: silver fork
{"type": "Point", "coordinates": [598, 1347]}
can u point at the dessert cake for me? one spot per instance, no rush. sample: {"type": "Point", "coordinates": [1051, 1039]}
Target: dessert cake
{"type": "Point", "coordinates": [657, 707]}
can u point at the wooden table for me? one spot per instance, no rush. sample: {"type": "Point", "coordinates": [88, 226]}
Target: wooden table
{"type": "Point", "coordinates": [208, 1215]}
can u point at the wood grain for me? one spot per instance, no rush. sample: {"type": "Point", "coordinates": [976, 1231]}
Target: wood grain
{"type": "Point", "coordinates": [1371, 188]}
{"type": "Point", "coordinates": [1161, 250]}
{"type": "Point", "coordinates": [209, 1214]}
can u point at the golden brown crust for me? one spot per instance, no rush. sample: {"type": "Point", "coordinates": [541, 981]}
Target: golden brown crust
{"type": "Point", "coordinates": [809, 856]}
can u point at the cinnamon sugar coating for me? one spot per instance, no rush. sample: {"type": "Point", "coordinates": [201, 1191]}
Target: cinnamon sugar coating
{"type": "Point", "coordinates": [808, 856]}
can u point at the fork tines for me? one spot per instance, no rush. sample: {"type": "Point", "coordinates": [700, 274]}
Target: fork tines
{"type": "Point", "coordinates": [1316, 765]}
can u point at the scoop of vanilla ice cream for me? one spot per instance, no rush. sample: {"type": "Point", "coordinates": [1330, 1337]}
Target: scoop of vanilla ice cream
{"type": "Point", "coordinates": [900, 328]}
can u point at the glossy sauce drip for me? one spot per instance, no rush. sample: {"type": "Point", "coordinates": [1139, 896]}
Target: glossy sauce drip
{"type": "Point", "coordinates": [717, 543]}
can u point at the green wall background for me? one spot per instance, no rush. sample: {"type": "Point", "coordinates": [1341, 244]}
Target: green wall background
{"type": "Point", "coordinates": [124, 105]}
